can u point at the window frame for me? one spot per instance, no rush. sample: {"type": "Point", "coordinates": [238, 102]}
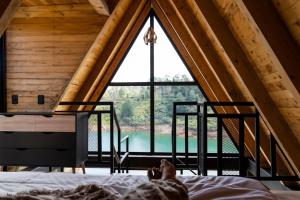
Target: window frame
{"type": "Point", "coordinates": [152, 83]}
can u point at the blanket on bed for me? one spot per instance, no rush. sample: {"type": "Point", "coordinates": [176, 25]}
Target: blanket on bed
{"type": "Point", "coordinates": [153, 190]}
{"type": "Point", "coordinates": [85, 192]}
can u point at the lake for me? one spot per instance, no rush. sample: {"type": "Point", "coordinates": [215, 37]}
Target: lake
{"type": "Point", "coordinates": [140, 142]}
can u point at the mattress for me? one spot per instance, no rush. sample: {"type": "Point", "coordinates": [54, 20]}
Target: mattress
{"type": "Point", "coordinates": [210, 187]}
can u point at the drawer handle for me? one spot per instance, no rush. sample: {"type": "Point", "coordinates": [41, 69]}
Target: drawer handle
{"type": "Point", "coordinates": [8, 115]}
{"type": "Point", "coordinates": [61, 149]}
{"type": "Point", "coordinates": [21, 149]}
{"type": "Point", "coordinates": [47, 115]}
{"type": "Point", "coordinates": [48, 133]}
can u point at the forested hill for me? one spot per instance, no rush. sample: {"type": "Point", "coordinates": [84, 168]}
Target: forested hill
{"type": "Point", "coordinates": [132, 103]}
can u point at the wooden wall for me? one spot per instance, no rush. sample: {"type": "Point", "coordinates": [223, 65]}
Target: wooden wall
{"type": "Point", "coordinates": [45, 45]}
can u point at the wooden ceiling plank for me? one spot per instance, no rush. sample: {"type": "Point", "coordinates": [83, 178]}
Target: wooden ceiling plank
{"type": "Point", "coordinates": [281, 42]}
{"type": "Point", "coordinates": [7, 13]}
{"type": "Point", "coordinates": [100, 6]}
{"type": "Point", "coordinates": [246, 73]}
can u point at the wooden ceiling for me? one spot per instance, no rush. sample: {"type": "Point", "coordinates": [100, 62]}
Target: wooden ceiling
{"type": "Point", "coordinates": [51, 2]}
{"type": "Point", "coordinates": [101, 6]}
{"type": "Point", "coordinates": [237, 50]}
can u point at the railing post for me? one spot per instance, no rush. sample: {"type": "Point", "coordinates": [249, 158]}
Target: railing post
{"type": "Point", "coordinates": [174, 135]}
{"type": "Point", "coordinates": [127, 150]}
{"type": "Point", "coordinates": [198, 138]}
{"type": "Point", "coordinates": [204, 140]}
{"type": "Point", "coordinates": [257, 144]}
{"type": "Point", "coordinates": [112, 170]}
{"type": "Point", "coordinates": [219, 146]}
{"type": "Point", "coordinates": [273, 155]}
{"type": "Point", "coordinates": [99, 127]}
{"type": "Point", "coordinates": [241, 147]}
{"type": "Point", "coordinates": [186, 139]}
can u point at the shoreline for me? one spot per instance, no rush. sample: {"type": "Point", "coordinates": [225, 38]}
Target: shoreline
{"type": "Point", "coordinates": [164, 130]}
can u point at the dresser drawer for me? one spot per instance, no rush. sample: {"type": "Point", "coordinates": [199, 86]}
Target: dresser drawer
{"type": "Point", "coordinates": [55, 123]}
{"type": "Point", "coordinates": [42, 140]}
{"type": "Point", "coordinates": [17, 122]}
{"type": "Point", "coordinates": [38, 123]}
{"type": "Point", "coordinates": [37, 157]}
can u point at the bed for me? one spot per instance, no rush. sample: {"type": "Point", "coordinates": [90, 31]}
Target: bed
{"type": "Point", "coordinates": [210, 187]}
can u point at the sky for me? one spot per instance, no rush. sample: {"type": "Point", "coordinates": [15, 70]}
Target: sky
{"type": "Point", "coordinates": [136, 65]}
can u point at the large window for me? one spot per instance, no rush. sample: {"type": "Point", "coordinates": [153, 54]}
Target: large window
{"type": "Point", "coordinates": [148, 81]}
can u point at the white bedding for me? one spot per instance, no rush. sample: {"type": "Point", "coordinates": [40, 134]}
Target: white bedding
{"type": "Point", "coordinates": [199, 187]}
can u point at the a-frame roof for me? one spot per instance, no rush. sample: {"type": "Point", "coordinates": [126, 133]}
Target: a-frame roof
{"type": "Point", "coordinates": [226, 50]}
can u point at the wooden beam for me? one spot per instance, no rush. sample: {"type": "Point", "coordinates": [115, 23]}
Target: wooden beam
{"type": "Point", "coordinates": [84, 81]}
{"type": "Point", "coordinates": [7, 11]}
{"type": "Point", "coordinates": [206, 10]}
{"type": "Point", "coordinates": [282, 43]}
{"type": "Point", "coordinates": [100, 6]}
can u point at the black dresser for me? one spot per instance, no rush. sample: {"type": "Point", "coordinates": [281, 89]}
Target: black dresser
{"type": "Point", "coordinates": [43, 139]}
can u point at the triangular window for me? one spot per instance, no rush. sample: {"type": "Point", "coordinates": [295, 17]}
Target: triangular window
{"type": "Point", "coordinates": [149, 79]}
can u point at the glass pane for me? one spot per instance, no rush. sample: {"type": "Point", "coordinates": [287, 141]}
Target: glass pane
{"type": "Point", "coordinates": [164, 98]}
{"type": "Point", "coordinates": [132, 104]}
{"type": "Point", "coordinates": [168, 66]}
{"type": "Point", "coordinates": [136, 62]}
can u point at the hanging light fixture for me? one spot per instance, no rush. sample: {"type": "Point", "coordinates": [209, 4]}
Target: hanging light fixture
{"type": "Point", "coordinates": [150, 36]}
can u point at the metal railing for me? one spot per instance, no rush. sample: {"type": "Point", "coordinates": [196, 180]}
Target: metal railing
{"type": "Point", "coordinates": [242, 119]}
{"type": "Point", "coordinates": [115, 155]}
{"type": "Point", "coordinates": [177, 161]}
{"type": "Point", "coordinates": [241, 135]}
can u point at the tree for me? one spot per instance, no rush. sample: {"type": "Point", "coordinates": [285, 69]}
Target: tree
{"type": "Point", "coordinates": [126, 112]}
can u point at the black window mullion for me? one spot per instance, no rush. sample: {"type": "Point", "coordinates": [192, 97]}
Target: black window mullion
{"type": "Point", "coordinates": [152, 122]}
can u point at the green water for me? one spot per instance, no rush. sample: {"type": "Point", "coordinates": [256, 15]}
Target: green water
{"type": "Point", "coordinates": [140, 142]}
